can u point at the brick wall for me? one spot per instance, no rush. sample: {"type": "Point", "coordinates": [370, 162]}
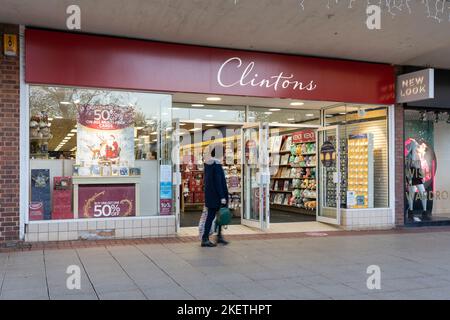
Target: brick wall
{"type": "Point", "coordinates": [399, 167]}
{"type": "Point", "coordinates": [9, 141]}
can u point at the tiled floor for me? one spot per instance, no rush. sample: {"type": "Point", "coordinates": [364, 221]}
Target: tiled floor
{"type": "Point", "coordinates": [311, 226]}
{"type": "Point", "coordinates": [414, 265]}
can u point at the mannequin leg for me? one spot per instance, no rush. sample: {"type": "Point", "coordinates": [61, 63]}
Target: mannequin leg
{"type": "Point", "coordinates": [411, 195]}
{"type": "Point", "coordinates": [423, 196]}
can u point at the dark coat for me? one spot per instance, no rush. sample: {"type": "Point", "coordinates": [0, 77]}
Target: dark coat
{"type": "Point", "coordinates": [215, 185]}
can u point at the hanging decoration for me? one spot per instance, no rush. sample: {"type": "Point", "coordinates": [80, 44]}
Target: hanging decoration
{"type": "Point", "coordinates": [438, 10]}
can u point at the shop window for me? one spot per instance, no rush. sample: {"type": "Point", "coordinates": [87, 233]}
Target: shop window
{"type": "Point", "coordinates": [94, 153]}
{"type": "Point", "coordinates": [364, 154]}
{"type": "Point", "coordinates": [427, 174]}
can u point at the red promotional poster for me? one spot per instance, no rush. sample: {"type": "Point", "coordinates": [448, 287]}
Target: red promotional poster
{"type": "Point", "coordinates": [105, 134]}
{"type": "Point", "coordinates": [304, 136]}
{"type": "Point", "coordinates": [165, 207]}
{"type": "Point", "coordinates": [106, 201]}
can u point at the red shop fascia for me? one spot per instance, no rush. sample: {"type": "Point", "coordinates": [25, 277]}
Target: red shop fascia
{"type": "Point", "coordinates": [84, 60]}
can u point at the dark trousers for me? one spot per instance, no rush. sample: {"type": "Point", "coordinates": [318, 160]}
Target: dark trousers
{"type": "Point", "coordinates": [209, 219]}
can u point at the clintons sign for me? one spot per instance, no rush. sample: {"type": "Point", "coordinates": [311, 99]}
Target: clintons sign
{"type": "Point", "coordinates": [109, 62]}
{"type": "Point", "coordinates": [250, 77]}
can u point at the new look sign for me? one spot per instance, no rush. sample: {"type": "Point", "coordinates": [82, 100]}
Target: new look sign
{"type": "Point", "coordinates": [415, 86]}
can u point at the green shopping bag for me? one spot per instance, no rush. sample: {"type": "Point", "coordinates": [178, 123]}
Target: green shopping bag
{"type": "Point", "coordinates": [223, 216]}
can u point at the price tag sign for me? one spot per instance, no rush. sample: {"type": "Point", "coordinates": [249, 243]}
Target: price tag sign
{"type": "Point", "coordinates": [10, 45]}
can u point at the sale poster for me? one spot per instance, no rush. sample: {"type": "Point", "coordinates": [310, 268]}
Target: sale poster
{"type": "Point", "coordinates": [105, 134]}
{"type": "Point", "coordinates": [106, 201]}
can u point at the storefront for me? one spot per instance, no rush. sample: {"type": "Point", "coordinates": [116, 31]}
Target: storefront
{"type": "Point", "coordinates": [426, 145]}
{"type": "Point", "coordinates": [116, 131]}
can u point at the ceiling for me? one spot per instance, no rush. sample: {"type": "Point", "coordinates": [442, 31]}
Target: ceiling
{"type": "Point", "coordinates": [405, 38]}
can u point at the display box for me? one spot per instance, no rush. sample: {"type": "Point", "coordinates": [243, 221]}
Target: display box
{"type": "Point", "coordinates": [36, 211]}
{"type": "Point", "coordinates": [62, 198]}
{"type": "Point", "coordinates": [40, 190]}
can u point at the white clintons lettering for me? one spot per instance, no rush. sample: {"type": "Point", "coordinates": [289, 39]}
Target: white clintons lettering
{"type": "Point", "coordinates": [246, 76]}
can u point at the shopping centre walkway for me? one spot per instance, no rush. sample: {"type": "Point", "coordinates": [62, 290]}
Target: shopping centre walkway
{"type": "Point", "coordinates": [412, 265]}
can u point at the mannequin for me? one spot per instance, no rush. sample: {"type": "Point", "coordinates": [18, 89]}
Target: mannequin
{"type": "Point", "coordinates": [415, 176]}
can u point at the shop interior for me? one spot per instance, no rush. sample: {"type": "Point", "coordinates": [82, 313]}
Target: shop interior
{"type": "Point", "coordinates": [293, 154]}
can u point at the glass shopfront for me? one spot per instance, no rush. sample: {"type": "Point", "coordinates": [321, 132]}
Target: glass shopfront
{"type": "Point", "coordinates": [292, 146]}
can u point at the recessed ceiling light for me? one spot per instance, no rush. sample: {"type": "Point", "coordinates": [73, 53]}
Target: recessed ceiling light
{"type": "Point", "coordinates": [275, 122]}
{"type": "Point", "coordinates": [223, 110]}
{"type": "Point", "coordinates": [65, 102]}
{"type": "Point", "coordinates": [329, 116]}
{"type": "Point", "coordinates": [297, 103]}
{"type": "Point", "coordinates": [342, 113]}
{"type": "Point", "coordinates": [213, 98]}
{"type": "Point", "coordinates": [309, 115]}
{"type": "Point", "coordinates": [195, 129]}
{"type": "Point", "coordinates": [210, 125]}
{"type": "Point", "coordinates": [58, 117]}
{"type": "Point", "coordinates": [267, 112]}
{"type": "Point", "coordinates": [209, 116]}
{"type": "Point", "coordinates": [274, 109]}
{"type": "Point", "coordinates": [182, 124]}
{"type": "Point", "coordinates": [198, 105]}
{"type": "Point", "coordinates": [70, 134]}
{"type": "Point", "coordinates": [291, 119]}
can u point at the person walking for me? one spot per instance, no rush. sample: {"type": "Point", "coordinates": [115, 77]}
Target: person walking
{"type": "Point", "coordinates": [216, 194]}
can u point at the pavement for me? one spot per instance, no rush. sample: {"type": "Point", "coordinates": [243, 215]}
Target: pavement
{"type": "Point", "coordinates": [412, 266]}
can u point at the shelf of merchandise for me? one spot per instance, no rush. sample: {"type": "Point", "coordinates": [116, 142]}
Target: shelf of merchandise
{"type": "Point", "coordinates": [293, 209]}
{"type": "Point", "coordinates": [286, 207]}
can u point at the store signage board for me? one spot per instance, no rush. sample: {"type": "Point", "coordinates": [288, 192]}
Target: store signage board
{"type": "Point", "coordinates": [304, 136]}
{"type": "Point", "coordinates": [154, 66]}
{"type": "Point", "coordinates": [415, 86]}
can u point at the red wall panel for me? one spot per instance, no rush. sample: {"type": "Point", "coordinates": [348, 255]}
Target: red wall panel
{"type": "Point", "coordinates": [75, 59]}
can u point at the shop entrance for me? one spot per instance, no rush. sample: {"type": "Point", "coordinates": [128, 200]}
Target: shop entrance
{"type": "Point", "coordinates": [276, 173]}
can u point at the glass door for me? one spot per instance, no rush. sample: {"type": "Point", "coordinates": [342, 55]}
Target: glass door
{"type": "Point", "coordinates": [328, 177]}
{"type": "Point", "coordinates": [255, 176]}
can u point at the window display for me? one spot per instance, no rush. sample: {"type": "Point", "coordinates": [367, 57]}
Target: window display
{"type": "Point", "coordinates": [360, 171]}
{"type": "Point", "coordinates": [91, 152]}
{"type": "Point", "coordinates": [426, 175]}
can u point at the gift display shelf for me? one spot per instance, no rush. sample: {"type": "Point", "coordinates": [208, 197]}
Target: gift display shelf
{"type": "Point", "coordinates": [296, 198]}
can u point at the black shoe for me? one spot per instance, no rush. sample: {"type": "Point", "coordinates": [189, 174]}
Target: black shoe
{"type": "Point", "coordinates": [221, 240]}
{"type": "Point", "coordinates": [208, 243]}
